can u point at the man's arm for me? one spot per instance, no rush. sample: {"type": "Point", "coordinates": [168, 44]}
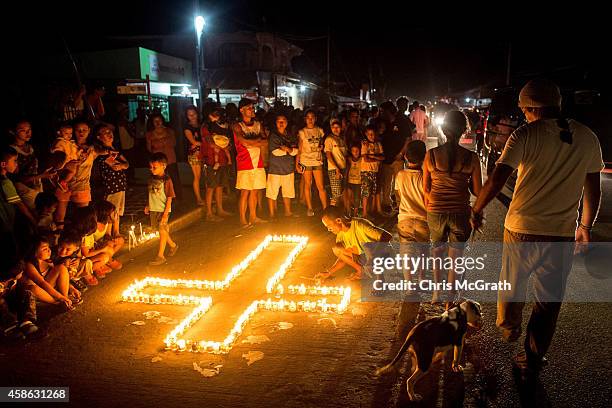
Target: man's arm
{"type": "Point", "coordinates": [166, 213]}
{"type": "Point", "coordinates": [591, 200]}
{"type": "Point", "coordinates": [492, 187]}
{"type": "Point", "coordinates": [247, 142]}
{"type": "Point", "coordinates": [426, 179]}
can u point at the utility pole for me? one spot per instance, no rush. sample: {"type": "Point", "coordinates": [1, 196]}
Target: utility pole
{"type": "Point", "coordinates": [371, 84]}
{"type": "Point", "coordinates": [328, 60]}
{"type": "Point", "coordinates": [199, 29]}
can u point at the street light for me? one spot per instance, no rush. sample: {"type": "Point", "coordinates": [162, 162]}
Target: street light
{"type": "Point", "coordinates": [199, 24]}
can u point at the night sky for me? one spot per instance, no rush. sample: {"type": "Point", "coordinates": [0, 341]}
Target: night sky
{"type": "Point", "coordinates": [419, 51]}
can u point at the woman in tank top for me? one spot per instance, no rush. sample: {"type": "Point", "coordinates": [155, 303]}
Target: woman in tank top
{"type": "Point", "coordinates": [450, 173]}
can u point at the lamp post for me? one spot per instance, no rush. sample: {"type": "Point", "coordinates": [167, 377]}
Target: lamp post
{"type": "Point", "coordinates": [199, 27]}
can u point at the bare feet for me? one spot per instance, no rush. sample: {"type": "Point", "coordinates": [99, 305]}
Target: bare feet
{"type": "Point", "coordinates": [258, 220]}
{"type": "Point", "coordinates": [224, 214]}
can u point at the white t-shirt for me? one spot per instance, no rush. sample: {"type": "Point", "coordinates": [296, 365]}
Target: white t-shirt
{"type": "Point", "coordinates": [310, 140]}
{"type": "Point", "coordinates": [368, 147]}
{"type": "Point", "coordinates": [409, 184]}
{"type": "Point", "coordinates": [551, 176]}
{"type": "Point", "coordinates": [337, 147]}
{"type": "Point", "coordinates": [354, 174]}
{"type": "Point", "coordinates": [253, 129]}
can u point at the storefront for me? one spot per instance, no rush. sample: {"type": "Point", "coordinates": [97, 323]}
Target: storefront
{"type": "Point", "coordinates": [140, 77]}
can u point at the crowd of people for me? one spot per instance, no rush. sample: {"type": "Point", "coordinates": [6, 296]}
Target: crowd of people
{"type": "Point", "coordinates": [61, 207]}
{"type": "Point", "coordinates": [554, 206]}
{"type": "Point", "coordinates": [60, 216]}
{"type": "Point", "coordinates": [57, 241]}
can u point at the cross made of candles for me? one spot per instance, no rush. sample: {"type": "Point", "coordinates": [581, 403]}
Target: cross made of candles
{"type": "Point", "coordinates": [175, 340]}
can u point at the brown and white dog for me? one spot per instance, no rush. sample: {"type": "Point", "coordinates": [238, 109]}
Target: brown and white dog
{"type": "Point", "coordinates": [429, 340]}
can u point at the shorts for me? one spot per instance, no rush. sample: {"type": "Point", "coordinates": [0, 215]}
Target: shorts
{"type": "Point", "coordinates": [79, 197]}
{"type": "Point", "coordinates": [194, 159]}
{"type": "Point", "coordinates": [217, 178]}
{"type": "Point", "coordinates": [355, 191]}
{"type": "Point", "coordinates": [368, 183]}
{"type": "Point", "coordinates": [413, 230]}
{"type": "Point", "coordinates": [313, 168]}
{"type": "Point", "coordinates": [254, 179]}
{"type": "Point", "coordinates": [118, 200]}
{"type": "Point", "coordinates": [286, 182]}
{"type": "Point", "coordinates": [336, 184]}
{"type": "Point", "coordinates": [449, 227]}
{"type": "Point", "coordinates": [156, 223]}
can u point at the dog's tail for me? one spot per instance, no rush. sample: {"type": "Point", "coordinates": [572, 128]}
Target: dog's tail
{"type": "Point", "coordinates": [391, 366]}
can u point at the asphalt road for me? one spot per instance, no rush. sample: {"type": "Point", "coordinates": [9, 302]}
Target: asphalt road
{"type": "Point", "coordinates": [314, 361]}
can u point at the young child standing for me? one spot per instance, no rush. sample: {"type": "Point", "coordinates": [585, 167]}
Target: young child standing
{"type": "Point", "coordinates": [335, 151]}
{"type": "Point", "coordinates": [112, 169]}
{"type": "Point", "coordinates": [216, 156]}
{"type": "Point", "coordinates": [372, 155]}
{"type": "Point", "coordinates": [412, 219]}
{"type": "Point", "coordinates": [161, 193]}
{"type": "Point", "coordinates": [352, 192]}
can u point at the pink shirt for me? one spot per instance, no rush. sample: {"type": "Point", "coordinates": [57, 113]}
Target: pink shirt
{"type": "Point", "coordinates": [419, 118]}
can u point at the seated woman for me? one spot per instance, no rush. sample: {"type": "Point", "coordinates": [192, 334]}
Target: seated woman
{"type": "Point", "coordinates": [48, 284]}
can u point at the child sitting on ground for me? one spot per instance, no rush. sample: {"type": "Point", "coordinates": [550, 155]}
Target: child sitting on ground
{"type": "Point", "coordinates": [68, 257]}
{"type": "Point", "coordinates": [17, 305]}
{"type": "Point", "coordinates": [85, 223]}
{"type": "Point", "coordinates": [104, 237]}
{"type": "Point", "coordinates": [161, 193]}
{"type": "Point", "coordinates": [49, 284]}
